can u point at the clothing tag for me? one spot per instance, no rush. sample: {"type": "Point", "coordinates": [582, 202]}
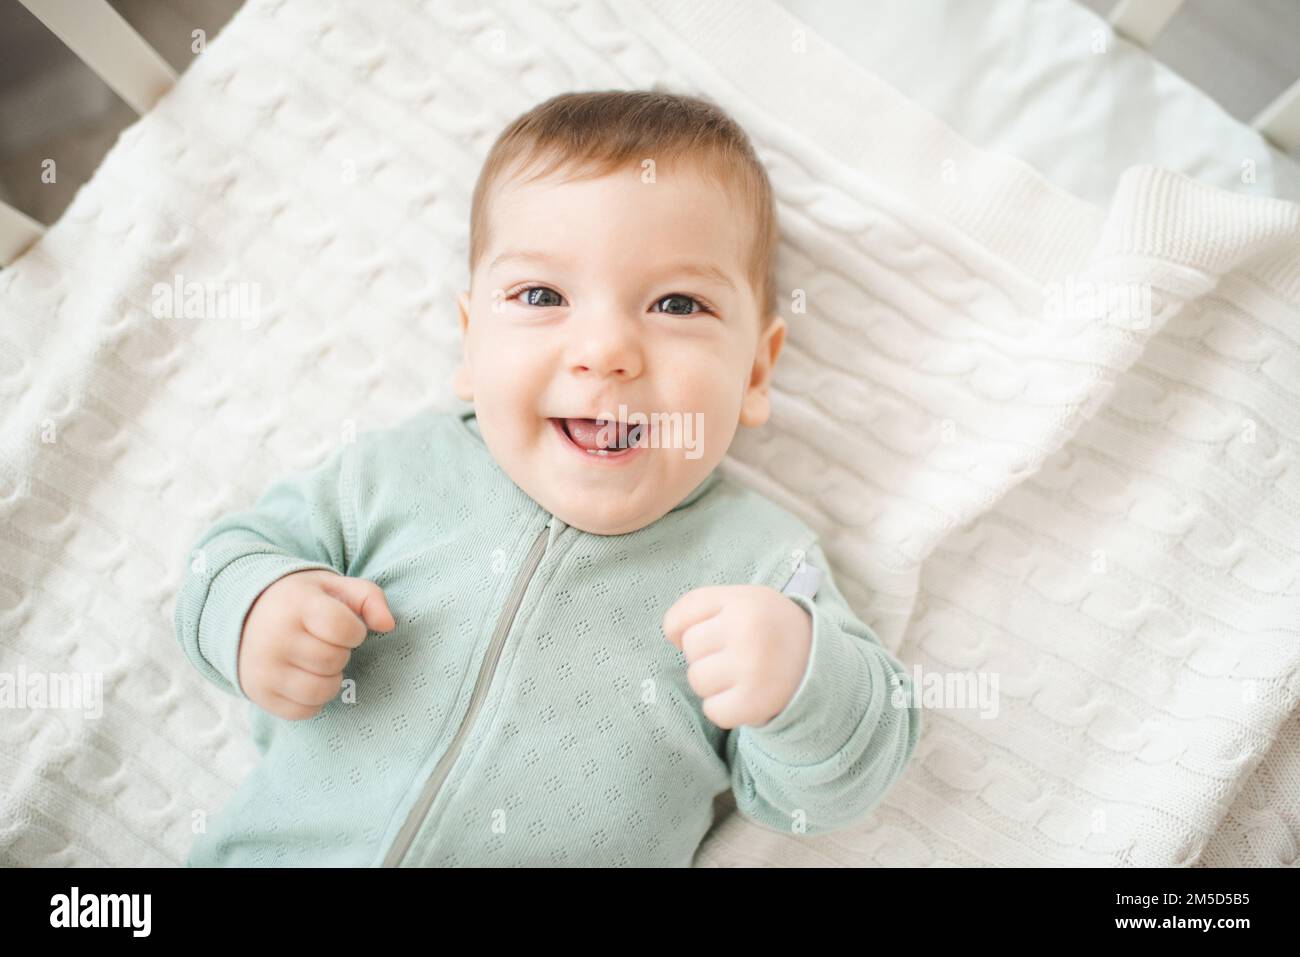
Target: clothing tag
{"type": "Point", "coordinates": [805, 581]}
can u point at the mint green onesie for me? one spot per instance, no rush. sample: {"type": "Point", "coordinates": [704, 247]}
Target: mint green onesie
{"type": "Point", "coordinates": [527, 708]}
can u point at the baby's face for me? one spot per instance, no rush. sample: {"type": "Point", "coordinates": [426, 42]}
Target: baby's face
{"type": "Point", "coordinates": [622, 298]}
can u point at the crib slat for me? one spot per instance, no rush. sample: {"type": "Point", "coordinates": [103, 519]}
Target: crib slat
{"type": "Point", "coordinates": [1142, 20]}
{"type": "Point", "coordinates": [1280, 120]}
{"type": "Point", "coordinates": [17, 232]}
{"type": "Point", "coordinates": [105, 42]}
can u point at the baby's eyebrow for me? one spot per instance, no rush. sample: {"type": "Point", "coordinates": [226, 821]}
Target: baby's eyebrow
{"type": "Point", "coordinates": [703, 270]}
{"type": "Point", "coordinates": [526, 255]}
{"type": "Point", "coordinates": [687, 267]}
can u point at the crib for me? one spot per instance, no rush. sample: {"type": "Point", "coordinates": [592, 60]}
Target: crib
{"type": "Point", "coordinates": [1134, 488]}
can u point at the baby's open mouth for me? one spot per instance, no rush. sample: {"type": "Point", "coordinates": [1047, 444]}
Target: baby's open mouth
{"type": "Point", "coordinates": [603, 437]}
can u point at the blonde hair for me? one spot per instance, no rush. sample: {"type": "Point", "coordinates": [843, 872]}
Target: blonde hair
{"type": "Point", "coordinates": [600, 132]}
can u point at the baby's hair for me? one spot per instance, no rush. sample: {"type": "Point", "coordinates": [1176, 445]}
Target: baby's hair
{"type": "Point", "coordinates": [600, 132]}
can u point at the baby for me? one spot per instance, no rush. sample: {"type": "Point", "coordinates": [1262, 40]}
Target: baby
{"type": "Point", "coordinates": [547, 630]}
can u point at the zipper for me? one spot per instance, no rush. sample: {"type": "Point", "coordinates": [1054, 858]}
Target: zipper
{"type": "Point", "coordinates": [406, 836]}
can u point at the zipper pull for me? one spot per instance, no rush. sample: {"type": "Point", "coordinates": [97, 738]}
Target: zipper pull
{"type": "Point", "coordinates": [557, 526]}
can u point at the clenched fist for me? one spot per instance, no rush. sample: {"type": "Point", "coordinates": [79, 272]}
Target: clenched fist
{"type": "Point", "coordinates": [746, 648]}
{"type": "Point", "coordinates": [299, 635]}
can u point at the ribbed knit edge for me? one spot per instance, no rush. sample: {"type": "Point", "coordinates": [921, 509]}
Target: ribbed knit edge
{"type": "Point", "coordinates": [227, 602]}
{"type": "Point", "coordinates": [834, 674]}
{"type": "Point", "coordinates": [1163, 214]}
{"type": "Point", "coordinates": [996, 199]}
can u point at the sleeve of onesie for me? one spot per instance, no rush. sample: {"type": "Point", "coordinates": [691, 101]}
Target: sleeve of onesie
{"type": "Point", "coordinates": [302, 521]}
{"type": "Point", "coordinates": [843, 740]}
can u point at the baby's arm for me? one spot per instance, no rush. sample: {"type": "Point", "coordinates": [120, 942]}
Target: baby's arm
{"type": "Point", "coordinates": [842, 741]}
{"type": "Point", "coordinates": [303, 521]}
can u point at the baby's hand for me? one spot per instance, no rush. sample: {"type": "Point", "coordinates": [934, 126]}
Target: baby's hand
{"type": "Point", "coordinates": [299, 635]}
{"type": "Point", "coordinates": [747, 648]}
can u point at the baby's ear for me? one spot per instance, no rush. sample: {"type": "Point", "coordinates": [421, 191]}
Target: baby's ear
{"type": "Point", "coordinates": [756, 406]}
{"type": "Point", "coordinates": [463, 380]}
{"type": "Point", "coordinates": [462, 309]}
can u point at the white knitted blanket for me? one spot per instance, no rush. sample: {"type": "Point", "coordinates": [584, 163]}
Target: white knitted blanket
{"type": "Point", "coordinates": [1098, 508]}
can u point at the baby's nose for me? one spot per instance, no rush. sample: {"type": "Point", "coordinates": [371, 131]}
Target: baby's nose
{"type": "Point", "coordinates": [613, 349]}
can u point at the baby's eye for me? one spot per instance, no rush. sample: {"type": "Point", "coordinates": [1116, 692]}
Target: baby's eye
{"type": "Point", "coordinates": [682, 305]}
{"type": "Point", "coordinates": [539, 296]}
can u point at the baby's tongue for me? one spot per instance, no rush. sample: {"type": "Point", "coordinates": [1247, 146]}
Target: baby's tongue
{"type": "Point", "coordinates": [588, 433]}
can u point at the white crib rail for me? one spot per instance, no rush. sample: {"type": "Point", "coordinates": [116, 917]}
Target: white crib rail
{"type": "Point", "coordinates": [1142, 20]}
{"type": "Point", "coordinates": [17, 232]}
{"type": "Point", "coordinates": [96, 33]}
{"type": "Point", "coordinates": [1280, 120]}
{"type": "Point", "coordinates": [105, 42]}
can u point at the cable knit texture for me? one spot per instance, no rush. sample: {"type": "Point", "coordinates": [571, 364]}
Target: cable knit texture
{"type": "Point", "coordinates": [582, 742]}
{"type": "Point", "coordinates": [1104, 513]}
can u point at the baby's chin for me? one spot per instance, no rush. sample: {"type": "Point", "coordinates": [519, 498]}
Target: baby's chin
{"type": "Point", "coordinates": [605, 512]}
{"type": "Point", "coordinates": [608, 504]}
{"type": "Point", "coordinates": [607, 524]}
